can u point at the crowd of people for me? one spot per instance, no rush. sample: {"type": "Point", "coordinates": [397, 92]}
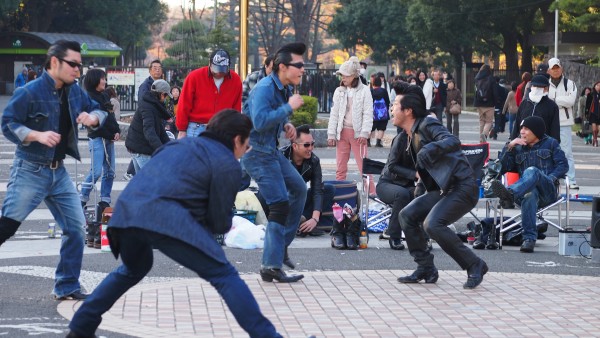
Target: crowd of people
{"type": "Point", "coordinates": [195, 150]}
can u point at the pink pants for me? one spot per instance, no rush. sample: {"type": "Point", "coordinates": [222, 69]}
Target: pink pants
{"type": "Point", "coordinates": [346, 143]}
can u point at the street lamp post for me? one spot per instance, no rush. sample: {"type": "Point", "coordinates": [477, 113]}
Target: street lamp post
{"type": "Point", "coordinates": [243, 38]}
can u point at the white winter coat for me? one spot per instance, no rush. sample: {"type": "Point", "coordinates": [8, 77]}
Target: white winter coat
{"type": "Point", "coordinates": [564, 99]}
{"type": "Point", "coordinates": [362, 112]}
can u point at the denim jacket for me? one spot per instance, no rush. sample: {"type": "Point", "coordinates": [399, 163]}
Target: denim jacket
{"type": "Point", "coordinates": [269, 111]}
{"type": "Point", "coordinates": [545, 155]}
{"type": "Point", "coordinates": [37, 107]}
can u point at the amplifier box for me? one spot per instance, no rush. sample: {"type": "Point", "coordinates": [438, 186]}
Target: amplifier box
{"type": "Point", "coordinates": [574, 243]}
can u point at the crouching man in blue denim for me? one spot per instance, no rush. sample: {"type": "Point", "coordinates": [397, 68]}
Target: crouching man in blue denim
{"type": "Point", "coordinates": [41, 119]}
{"type": "Point", "coordinates": [194, 183]}
{"type": "Point", "coordinates": [270, 105]}
{"type": "Point", "coordinates": [540, 163]}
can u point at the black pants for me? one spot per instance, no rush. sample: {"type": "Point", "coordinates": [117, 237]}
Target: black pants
{"type": "Point", "coordinates": [437, 212]}
{"type": "Point", "coordinates": [398, 196]}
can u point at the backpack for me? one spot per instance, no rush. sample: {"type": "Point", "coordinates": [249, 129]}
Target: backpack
{"type": "Point", "coordinates": [380, 110]}
{"type": "Point", "coordinates": [483, 92]}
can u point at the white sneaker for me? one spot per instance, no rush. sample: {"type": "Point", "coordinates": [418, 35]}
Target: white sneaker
{"type": "Point", "coordinates": [127, 176]}
{"type": "Point", "coordinates": [573, 186]}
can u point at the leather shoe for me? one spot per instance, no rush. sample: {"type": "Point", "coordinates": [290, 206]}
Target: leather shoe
{"type": "Point", "coordinates": [527, 246]}
{"type": "Point", "coordinates": [478, 245]}
{"type": "Point", "coordinates": [338, 241]}
{"type": "Point", "coordinates": [396, 244]}
{"type": "Point", "coordinates": [287, 261]}
{"type": "Point", "coordinates": [268, 275]}
{"type": "Point", "coordinates": [77, 295]}
{"type": "Point", "coordinates": [429, 274]}
{"type": "Point", "coordinates": [475, 272]}
{"type": "Point", "coordinates": [502, 192]}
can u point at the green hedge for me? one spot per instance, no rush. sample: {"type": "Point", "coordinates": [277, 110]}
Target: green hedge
{"type": "Point", "coordinates": [307, 113]}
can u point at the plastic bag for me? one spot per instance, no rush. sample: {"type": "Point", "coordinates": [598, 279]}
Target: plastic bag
{"type": "Point", "coordinates": [245, 235]}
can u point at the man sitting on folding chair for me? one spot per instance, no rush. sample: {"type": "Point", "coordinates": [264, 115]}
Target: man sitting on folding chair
{"type": "Point", "coordinates": [396, 185]}
{"type": "Point", "coordinates": [540, 163]}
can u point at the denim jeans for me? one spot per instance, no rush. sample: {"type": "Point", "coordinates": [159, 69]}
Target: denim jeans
{"type": "Point", "coordinates": [438, 211]}
{"type": "Point", "coordinates": [532, 191]}
{"type": "Point", "coordinates": [29, 185]}
{"type": "Point", "coordinates": [511, 121]}
{"type": "Point", "coordinates": [137, 257]}
{"type": "Point", "coordinates": [566, 144]}
{"type": "Point", "coordinates": [328, 195]}
{"type": "Point", "coordinates": [278, 181]}
{"type": "Point", "coordinates": [103, 154]}
{"type": "Point", "coordinates": [139, 161]}
{"type": "Point", "coordinates": [194, 129]}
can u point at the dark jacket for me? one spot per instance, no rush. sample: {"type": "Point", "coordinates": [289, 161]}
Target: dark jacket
{"type": "Point", "coordinates": [545, 155]}
{"type": "Point", "coordinates": [111, 126]}
{"type": "Point", "coordinates": [546, 109]}
{"type": "Point", "coordinates": [453, 95]}
{"type": "Point", "coordinates": [310, 172]}
{"type": "Point", "coordinates": [193, 183]}
{"type": "Point", "coordinates": [147, 132]}
{"type": "Point", "coordinates": [487, 84]}
{"type": "Point", "coordinates": [146, 86]}
{"type": "Point", "coordinates": [399, 168]}
{"type": "Point", "coordinates": [440, 161]}
{"type": "Point", "coordinates": [592, 104]}
{"type": "Point", "coordinates": [501, 94]}
{"type": "Point", "coordinates": [381, 93]}
{"type": "Point", "coordinates": [443, 90]}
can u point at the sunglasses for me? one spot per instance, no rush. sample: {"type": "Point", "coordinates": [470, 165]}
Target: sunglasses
{"type": "Point", "coordinates": [307, 144]}
{"type": "Point", "coordinates": [72, 63]}
{"type": "Point", "coordinates": [296, 64]}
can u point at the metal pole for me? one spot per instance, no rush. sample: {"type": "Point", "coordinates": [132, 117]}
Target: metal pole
{"type": "Point", "coordinates": [243, 38]}
{"type": "Point", "coordinates": [556, 33]}
{"type": "Point", "coordinates": [463, 84]}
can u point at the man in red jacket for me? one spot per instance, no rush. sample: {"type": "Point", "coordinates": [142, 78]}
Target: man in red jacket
{"type": "Point", "coordinates": [207, 91]}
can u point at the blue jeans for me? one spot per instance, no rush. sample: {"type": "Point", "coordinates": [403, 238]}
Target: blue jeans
{"type": "Point", "coordinates": [137, 257]}
{"type": "Point", "coordinates": [328, 195]}
{"type": "Point", "coordinates": [278, 181]}
{"type": "Point", "coordinates": [194, 129]}
{"type": "Point", "coordinates": [566, 144]}
{"type": "Point", "coordinates": [139, 161]}
{"type": "Point", "coordinates": [511, 121]}
{"type": "Point", "coordinates": [532, 191]}
{"type": "Point", "coordinates": [103, 153]}
{"type": "Point", "coordinates": [29, 185]}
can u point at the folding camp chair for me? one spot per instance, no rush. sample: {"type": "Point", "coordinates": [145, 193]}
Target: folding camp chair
{"type": "Point", "coordinates": [372, 167]}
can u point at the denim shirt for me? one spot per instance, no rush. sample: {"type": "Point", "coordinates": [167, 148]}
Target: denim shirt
{"type": "Point", "coordinates": [269, 111]}
{"type": "Point", "coordinates": [545, 155]}
{"type": "Point", "coordinates": [37, 107]}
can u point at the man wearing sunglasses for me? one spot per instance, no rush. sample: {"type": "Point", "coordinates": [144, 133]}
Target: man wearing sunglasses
{"type": "Point", "coordinates": [269, 106]}
{"type": "Point", "coordinates": [41, 119]}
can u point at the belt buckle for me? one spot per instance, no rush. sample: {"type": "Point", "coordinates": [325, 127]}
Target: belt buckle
{"type": "Point", "coordinates": [54, 165]}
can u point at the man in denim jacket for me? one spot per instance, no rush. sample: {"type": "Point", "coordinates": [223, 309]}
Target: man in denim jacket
{"type": "Point", "coordinates": [42, 118]}
{"type": "Point", "coordinates": [540, 163]}
{"type": "Point", "coordinates": [269, 106]}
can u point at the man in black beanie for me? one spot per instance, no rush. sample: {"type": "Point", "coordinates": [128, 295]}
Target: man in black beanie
{"type": "Point", "coordinates": [539, 174]}
{"type": "Point", "coordinates": [539, 104]}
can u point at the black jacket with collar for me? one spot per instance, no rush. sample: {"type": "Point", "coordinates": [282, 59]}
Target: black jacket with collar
{"type": "Point", "coordinates": [310, 172]}
{"type": "Point", "coordinates": [440, 161]}
{"type": "Point", "coordinates": [399, 168]}
{"type": "Point", "coordinates": [546, 109]}
{"type": "Point", "coordinates": [147, 132]}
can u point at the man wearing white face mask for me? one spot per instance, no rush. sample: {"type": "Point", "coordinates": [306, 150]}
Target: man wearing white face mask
{"type": "Point", "coordinates": [537, 103]}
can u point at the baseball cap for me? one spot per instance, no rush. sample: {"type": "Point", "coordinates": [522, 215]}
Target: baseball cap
{"type": "Point", "coordinates": [542, 68]}
{"type": "Point", "coordinates": [540, 80]}
{"type": "Point", "coordinates": [220, 61]}
{"type": "Point", "coordinates": [161, 86]}
{"type": "Point", "coordinates": [553, 62]}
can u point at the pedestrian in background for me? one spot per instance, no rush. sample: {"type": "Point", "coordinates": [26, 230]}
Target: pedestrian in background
{"type": "Point", "coordinates": [510, 107]}
{"type": "Point", "coordinates": [453, 107]}
{"type": "Point", "coordinates": [520, 93]}
{"type": "Point", "coordinates": [592, 107]}
{"type": "Point", "coordinates": [194, 183]}
{"type": "Point", "coordinates": [350, 120]}
{"type": "Point", "coordinates": [381, 112]}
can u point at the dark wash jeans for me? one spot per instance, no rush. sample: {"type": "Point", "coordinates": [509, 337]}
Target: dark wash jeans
{"type": "Point", "coordinates": [136, 253]}
{"type": "Point", "coordinates": [438, 212]}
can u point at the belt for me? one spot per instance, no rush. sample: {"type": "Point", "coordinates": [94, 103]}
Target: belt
{"type": "Point", "coordinates": [56, 164]}
{"type": "Point", "coordinates": [198, 123]}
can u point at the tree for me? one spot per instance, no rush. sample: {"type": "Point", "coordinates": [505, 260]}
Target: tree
{"type": "Point", "coordinates": [578, 15]}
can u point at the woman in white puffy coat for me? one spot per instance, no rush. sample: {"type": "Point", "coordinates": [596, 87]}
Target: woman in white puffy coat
{"type": "Point", "coordinates": [351, 119]}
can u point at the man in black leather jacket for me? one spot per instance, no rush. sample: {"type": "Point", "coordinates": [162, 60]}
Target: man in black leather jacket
{"type": "Point", "coordinates": [451, 191]}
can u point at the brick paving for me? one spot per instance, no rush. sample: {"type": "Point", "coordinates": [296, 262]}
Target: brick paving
{"type": "Point", "coordinates": [368, 303]}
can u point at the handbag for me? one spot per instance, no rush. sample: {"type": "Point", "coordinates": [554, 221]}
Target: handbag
{"type": "Point", "coordinates": [455, 108]}
{"type": "Point", "coordinates": [493, 171]}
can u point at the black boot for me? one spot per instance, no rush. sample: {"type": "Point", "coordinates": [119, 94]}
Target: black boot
{"type": "Point", "coordinates": [379, 144]}
{"type": "Point", "coordinates": [352, 241]}
{"type": "Point", "coordinates": [475, 274]}
{"type": "Point", "coordinates": [8, 228]}
{"type": "Point", "coordinates": [286, 259]}
{"type": "Point", "coordinates": [338, 241]}
{"type": "Point", "coordinates": [396, 244]}
{"type": "Point", "coordinates": [429, 274]}
{"type": "Point", "coordinates": [92, 230]}
{"type": "Point", "coordinates": [268, 275]}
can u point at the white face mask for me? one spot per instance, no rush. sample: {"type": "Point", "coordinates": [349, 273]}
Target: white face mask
{"type": "Point", "coordinates": [363, 71]}
{"type": "Point", "coordinates": [536, 94]}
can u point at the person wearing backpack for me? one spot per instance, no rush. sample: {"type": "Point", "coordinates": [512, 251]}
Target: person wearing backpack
{"type": "Point", "coordinates": [485, 100]}
{"type": "Point", "coordinates": [381, 111]}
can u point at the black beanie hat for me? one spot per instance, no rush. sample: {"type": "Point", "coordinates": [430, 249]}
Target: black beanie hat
{"type": "Point", "coordinates": [536, 125]}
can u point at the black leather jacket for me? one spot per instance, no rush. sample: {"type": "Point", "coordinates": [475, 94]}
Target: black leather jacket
{"type": "Point", "coordinates": [399, 168]}
{"type": "Point", "coordinates": [310, 172]}
{"type": "Point", "coordinates": [146, 131]}
{"type": "Point", "coordinates": [440, 161]}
